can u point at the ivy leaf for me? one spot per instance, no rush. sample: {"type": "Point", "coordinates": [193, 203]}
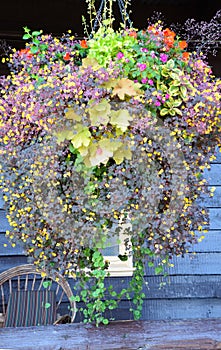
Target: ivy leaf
{"type": "Point", "coordinates": [82, 138]}
{"type": "Point", "coordinates": [72, 115]}
{"type": "Point", "coordinates": [47, 305]}
{"type": "Point", "coordinates": [100, 113]}
{"type": "Point", "coordinates": [126, 87]}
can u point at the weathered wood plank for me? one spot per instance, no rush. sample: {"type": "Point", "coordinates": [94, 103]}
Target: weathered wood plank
{"type": "Point", "coordinates": [6, 247]}
{"type": "Point", "coordinates": [193, 264]}
{"type": "Point", "coordinates": [4, 225]}
{"type": "Point", "coordinates": [168, 309]}
{"type": "Point", "coordinates": [1, 201]}
{"type": "Point", "coordinates": [173, 287]}
{"type": "Point", "coordinates": [6, 262]}
{"type": "Point", "coordinates": [213, 175]}
{"type": "Point", "coordinates": [168, 335]}
{"type": "Point", "coordinates": [211, 242]}
{"type": "Point", "coordinates": [215, 218]}
{"type": "Point", "coordinates": [215, 201]}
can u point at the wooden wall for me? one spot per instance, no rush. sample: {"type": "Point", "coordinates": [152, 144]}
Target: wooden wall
{"type": "Point", "coordinates": [193, 288]}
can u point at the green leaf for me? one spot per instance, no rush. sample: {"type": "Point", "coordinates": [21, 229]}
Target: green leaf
{"type": "Point", "coordinates": [105, 321]}
{"type": "Point", "coordinates": [47, 305]}
{"type": "Point", "coordinates": [158, 270]}
{"type": "Point", "coordinates": [47, 284]}
{"type": "Point", "coordinates": [36, 33]}
{"type": "Point", "coordinates": [35, 41]}
{"type": "Point", "coordinates": [34, 49]}
{"type": "Point", "coordinates": [26, 36]}
{"type": "Point", "coordinates": [75, 298]}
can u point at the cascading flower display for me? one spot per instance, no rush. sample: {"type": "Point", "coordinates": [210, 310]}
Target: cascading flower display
{"type": "Point", "coordinates": [92, 139]}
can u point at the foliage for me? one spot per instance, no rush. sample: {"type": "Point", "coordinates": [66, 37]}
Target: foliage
{"type": "Point", "coordinates": [98, 142]}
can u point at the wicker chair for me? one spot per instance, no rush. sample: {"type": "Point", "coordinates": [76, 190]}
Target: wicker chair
{"type": "Point", "coordinates": [25, 278]}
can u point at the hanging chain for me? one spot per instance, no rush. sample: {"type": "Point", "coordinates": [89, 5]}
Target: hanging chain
{"type": "Point", "coordinates": [123, 12]}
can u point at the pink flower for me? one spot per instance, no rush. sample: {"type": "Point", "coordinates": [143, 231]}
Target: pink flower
{"type": "Point", "coordinates": [141, 66]}
{"type": "Point", "coordinates": [167, 96]}
{"type": "Point", "coordinates": [163, 57]}
{"type": "Point", "coordinates": [157, 103]}
{"type": "Point", "coordinates": [120, 55]}
{"type": "Point", "coordinates": [144, 49]}
{"type": "Point", "coordinates": [150, 82]}
{"type": "Point", "coordinates": [144, 80]}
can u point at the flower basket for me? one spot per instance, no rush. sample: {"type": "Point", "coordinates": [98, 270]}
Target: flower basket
{"type": "Point", "coordinates": [97, 142]}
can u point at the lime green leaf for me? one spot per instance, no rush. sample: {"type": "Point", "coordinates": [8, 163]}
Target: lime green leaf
{"type": "Point", "coordinates": [102, 151]}
{"type": "Point", "coordinates": [164, 111]}
{"type": "Point", "coordinates": [178, 111]}
{"type": "Point", "coordinates": [121, 119]}
{"type": "Point", "coordinates": [122, 153]}
{"type": "Point", "coordinates": [183, 91]}
{"type": "Point", "coordinates": [62, 135]}
{"type": "Point", "coordinates": [82, 138]}
{"type": "Point", "coordinates": [173, 90]}
{"type": "Point", "coordinates": [177, 103]}
{"type": "Point", "coordinates": [72, 115]}
{"type": "Point", "coordinates": [170, 64]}
{"type": "Point", "coordinates": [100, 113]}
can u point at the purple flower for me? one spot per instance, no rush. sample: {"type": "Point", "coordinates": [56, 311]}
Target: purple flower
{"type": "Point", "coordinates": [167, 96]}
{"type": "Point", "coordinates": [163, 57]}
{"type": "Point", "coordinates": [144, 49]}
{"type": "Point", "coordinates": [120, 55]}
{"type": "Point", "coordinates": [152, 54]}
{"type": "Point", "coordinates": [150, 82]}
{"type": "Point", "coordinates": [141, 66]}
{"type": "Point", "coordinates": [144, 80]}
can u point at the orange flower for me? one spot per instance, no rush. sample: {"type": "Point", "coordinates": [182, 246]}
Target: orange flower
{"type": "Point", "coordinates": [183, 44]}
{"type": "Point", "coordinates": [133, 33]}
{"type": "Point", "coordinates": [67, 56]}
{"type": "Point", "coordinates": [169, 41]}
{"type": "Point", "coordinates": [25, 52]}
{"type": "Point", "coordinates": [83, 44]}
{"type": "Point", "coordinates": [169, 33]}
{"type": "Point", "coordinates": [150, 27]}
{"type": "Point", "coordinates": [185, 56]}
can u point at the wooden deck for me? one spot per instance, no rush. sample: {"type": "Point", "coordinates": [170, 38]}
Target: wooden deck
{"type": "Point", "coordinates": [142, 335]}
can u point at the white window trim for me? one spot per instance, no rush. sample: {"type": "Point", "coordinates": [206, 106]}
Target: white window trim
{"type": "Point", "coordinates": [117, 267]}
